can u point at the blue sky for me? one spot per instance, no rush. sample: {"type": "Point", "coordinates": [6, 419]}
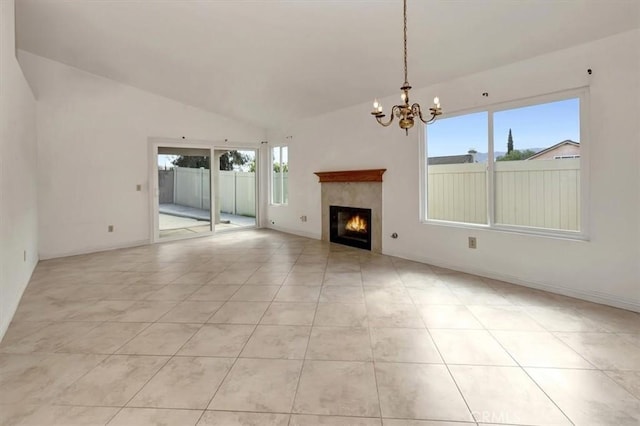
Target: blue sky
{"type": "Point", "coordinates": [166, 161]}
{"type": "Point", "coordinates": [537, 126]}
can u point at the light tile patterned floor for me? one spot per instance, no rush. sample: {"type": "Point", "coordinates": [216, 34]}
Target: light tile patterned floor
{"type": "Point", "coordinates": [263, 328]}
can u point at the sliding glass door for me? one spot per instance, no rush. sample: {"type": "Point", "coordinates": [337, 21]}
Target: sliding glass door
{"type": "Point", "coordinates": [183, 192]}
{"type": "Point", "coordinates": [235, 183]}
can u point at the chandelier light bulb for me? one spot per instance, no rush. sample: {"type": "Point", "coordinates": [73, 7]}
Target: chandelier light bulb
{"type": "Point", "coordinates": [376, 104]}
{"type": "Point", "coordinates": [379, 108]}
{"type": "Point", "coordinates": [403, 96]}
{"type": "Point", "coordinates": [436, 101]}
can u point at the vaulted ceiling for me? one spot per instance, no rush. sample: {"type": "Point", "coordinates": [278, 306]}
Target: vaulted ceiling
{"type": "Point", "coordinates": [270, 61]}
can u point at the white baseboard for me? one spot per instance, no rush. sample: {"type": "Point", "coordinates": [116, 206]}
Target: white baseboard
{"type": "Point", "coordinates": [94, 249]}
{"type": "Point", "coordinates": [312, 235]}
{"type": "Point", "coordinates": [590, 296]}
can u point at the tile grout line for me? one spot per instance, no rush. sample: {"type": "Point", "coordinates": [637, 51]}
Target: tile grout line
{"type": "Point", "coordinates": [371, 348]}
{"type": "Point", "coordinates": [163, 365]}
{"type": "Point", "coordinates": [170, 357]}
{"type": "Point", "coordinates": [532, 379]}
{"type": "Point", "coordinates": [562, 342]}
{"type": "Point", "coordinates": [106, 357]}
{"type": "Point", "coordinates": [304, 357]}
{"type": "Point", "coordinates": [446, 365]}
{"type": "Point", "coordinates": [486, 329]}
{"type": "Point", "coordinates": [172, 266]}
{"type": "Point", "coordinates": [236, 358]}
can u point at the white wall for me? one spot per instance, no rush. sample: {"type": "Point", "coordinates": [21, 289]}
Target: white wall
{"type": "Point", "coordinates": [603, 269]}
{"type": "Point", "coordinates": [18, 193]}
{"type": "Point", "coordinates": [93, 150]}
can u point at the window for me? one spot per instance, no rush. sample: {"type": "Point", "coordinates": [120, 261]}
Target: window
{"type": "Point", "coordinates": [457, 172]}
{"type": "Point", "coordinates": [279, 175]}
{"type": "Point", "coordinates": [513, 166]}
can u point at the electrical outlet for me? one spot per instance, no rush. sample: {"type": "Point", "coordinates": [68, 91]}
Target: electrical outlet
{"type": "Point", "coordinates": [110, 228]}
{"type": "Point", "coordinates": [473, 243]}
{"type": "Point", "coordinates": [303, 218]}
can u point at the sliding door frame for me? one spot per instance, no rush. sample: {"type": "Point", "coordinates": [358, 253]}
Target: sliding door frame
{"type": "Point", "coordinates": [154, 187]}
{"type": "Point", "coordinates": [212, 146]}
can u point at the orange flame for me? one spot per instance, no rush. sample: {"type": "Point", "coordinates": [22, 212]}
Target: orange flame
{"type": "Point", "coordinates": [356, 224]}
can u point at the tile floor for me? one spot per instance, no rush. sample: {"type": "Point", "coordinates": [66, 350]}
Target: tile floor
{"type": "Point", "coordinates": [263, 328]}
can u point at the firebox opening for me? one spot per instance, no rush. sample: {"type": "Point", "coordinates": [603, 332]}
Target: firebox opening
{"type": "Point", "coordinates": [357, 224]}
{"type": "Point", "coordinates": [350, 226]}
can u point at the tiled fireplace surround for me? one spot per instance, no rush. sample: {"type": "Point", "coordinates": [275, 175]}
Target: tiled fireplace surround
{"type": "Point", "coordinates": [354, 188]}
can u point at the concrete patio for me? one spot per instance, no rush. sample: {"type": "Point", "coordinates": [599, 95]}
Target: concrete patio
{"type": "Point", "coordinates": [175, 220]}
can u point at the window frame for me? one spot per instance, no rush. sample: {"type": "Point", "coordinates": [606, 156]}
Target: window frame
{"type": "Point", "coordinates": [581, 93]}
{"type": "Point", "coordinates": [271, 175]}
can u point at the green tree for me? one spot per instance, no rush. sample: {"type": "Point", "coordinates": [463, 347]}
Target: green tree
{"type": "Point", "coordinates": [192, 162]}
{"type": "Point", "coordinates": [510, 143]}
{"type": "Point", "coordinates": [516, 155]}
{"type": "Point", "coordinates": [276, 167]}
{"type": "Point", "coordinates": [228, 161]}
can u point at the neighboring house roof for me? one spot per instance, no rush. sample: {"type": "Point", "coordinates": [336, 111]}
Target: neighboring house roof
{"type": "Point", "coordinates": [551, 148]}
{"type": "Point", "coordinates": [451, 159]}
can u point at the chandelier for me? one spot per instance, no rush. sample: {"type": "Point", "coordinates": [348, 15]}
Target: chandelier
{"type": "Point", "coordinates": [406, 112]}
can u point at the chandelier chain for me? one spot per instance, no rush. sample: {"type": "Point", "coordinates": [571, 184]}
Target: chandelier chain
{"type": "Point", "coordinates": [406, 78]}
{"type": "Point", "coordinates": [405, 112]}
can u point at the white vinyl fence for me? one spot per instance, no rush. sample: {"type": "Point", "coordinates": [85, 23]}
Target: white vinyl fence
{"type": "Point", "coordinates": [457, 192]}
{"type": "Point", "coordinates": [191, 188]}
{"type": "Point", "coordinates": [238, 193]}
{"type": "Point", "coordinates": [237, 190]}
{"type": "Point", "coordinates": [536, 193]}
{"type": "Point", "coordinates": [280, 187]}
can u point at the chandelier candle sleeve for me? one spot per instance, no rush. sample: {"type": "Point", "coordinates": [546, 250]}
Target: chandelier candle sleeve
{"type": "Point", "coordinates": [377, 107]}
{"type": "Point", "coordinates": [406, 113]}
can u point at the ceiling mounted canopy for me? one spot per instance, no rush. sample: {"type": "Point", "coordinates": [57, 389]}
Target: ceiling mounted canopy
{"type": "Point", "coordinates": [405, 112]}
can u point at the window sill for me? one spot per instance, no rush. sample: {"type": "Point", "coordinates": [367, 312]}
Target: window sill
{"type": "Point", "coordinates": [518, 230]}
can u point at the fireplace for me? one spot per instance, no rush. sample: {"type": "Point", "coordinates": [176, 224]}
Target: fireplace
{"type": "Point", "coordinates": [357, 188]}
{"type": "Point", "coordinates": [350, 226]}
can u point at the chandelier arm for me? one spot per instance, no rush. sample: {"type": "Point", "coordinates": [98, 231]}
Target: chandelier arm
{"type": "Point", "coordinates": [387, 124]}
{"type": "Point", "coordinates": [417, 111]}
{"type": "Point", "coordinates": [391, 117]}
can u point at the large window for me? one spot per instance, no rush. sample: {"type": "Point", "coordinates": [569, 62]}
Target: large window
{"type": "Point", "coordinates": [457, 169]}
{"type": "Point", "coordinates": [279, 175]}
{"type": "Point", "coordinates": [515, 166]}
